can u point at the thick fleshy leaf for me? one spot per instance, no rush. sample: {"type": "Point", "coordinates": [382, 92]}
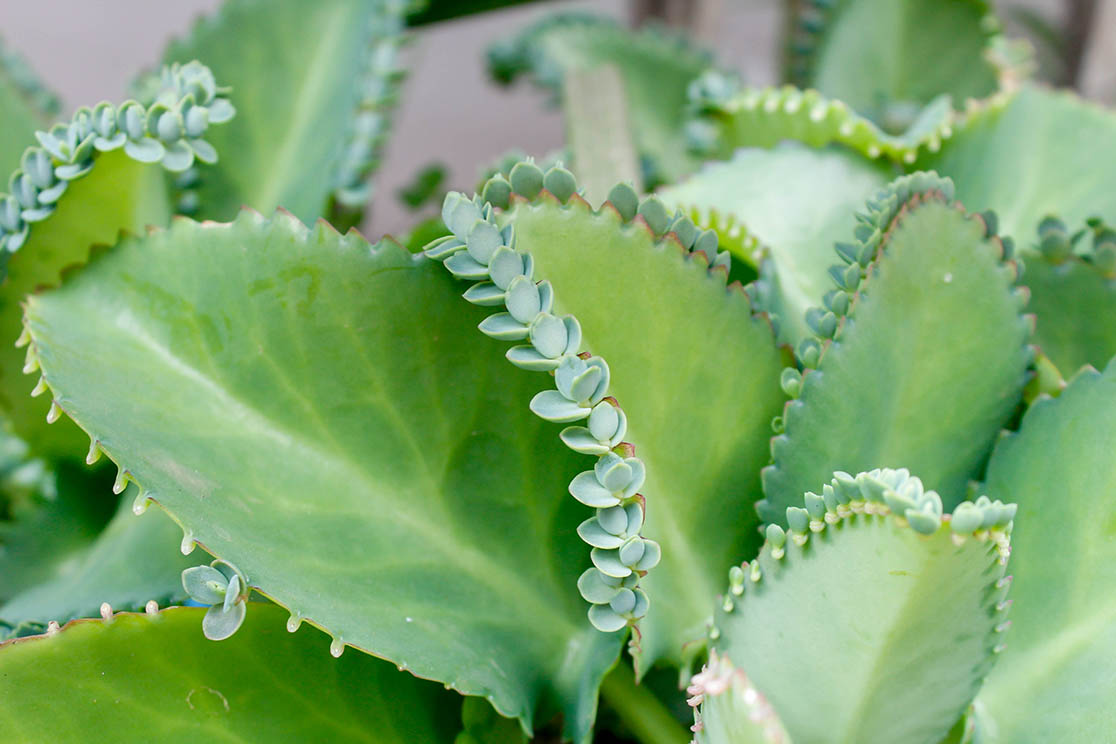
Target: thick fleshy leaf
{"type": "Point", "coordinates": [279, 388]}
{"type": "Point", "coordinates": [862, 630]}
{"type": "Point", "coordinates": [727, 118]}
{"type": "Point", "coordinates": [25, 106]}
{"type": "Point", "coordinates": [1075, 311]}
{"type": "Point", "coordinates": [53, 517]}
{"type": "Point", "coordinates": [154, 677]}
{"type": "Point", "coordinates": [1055, 680]}
{"type": "Point", "coordinates": [729, 709]}
{"type": "Point", "coordinates": [655, 67]}
{"type": "Point", "coordinates": [313, 84]}
{"type": "Point", "coordinates": [1068, 144]}
{"type": "Point", "coordinates": [83, 184]}
{"type": "Point", "coordinates": [796, 201]}
{"type": "Point", "coordinates": [118, 194]}
{"type": "Point", "coordinates": [925, 369]}
{"type": "Point", "coordinates": [670, 331]}
{"type": "Point", "coordinates": [134, 560]}
{"type": "Point", "coordinates": [873, 54]}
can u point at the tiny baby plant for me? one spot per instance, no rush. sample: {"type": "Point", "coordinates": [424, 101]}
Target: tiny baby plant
{"type": "Point", "coordinates": [751, 416]}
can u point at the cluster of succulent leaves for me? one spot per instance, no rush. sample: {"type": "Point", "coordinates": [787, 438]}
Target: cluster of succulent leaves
{"type": "Point", "coordinates": [817, 427]}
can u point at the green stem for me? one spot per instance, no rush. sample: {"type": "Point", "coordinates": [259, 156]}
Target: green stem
{"type": "Point", "coordinates": [642, 713]}
{"type": "Point", "coordinates": [598, 130]}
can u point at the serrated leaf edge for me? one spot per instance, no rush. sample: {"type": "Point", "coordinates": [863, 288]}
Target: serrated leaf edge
{"type": "Point", "coordinates": [174, 114]}
{"type": "Point", "coordinates": [884, 213]}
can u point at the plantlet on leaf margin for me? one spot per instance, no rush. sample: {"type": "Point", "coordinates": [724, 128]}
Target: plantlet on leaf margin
{"type": "Point", "coordinates": [168, 128]}
{"type": "Point", "coordinates": [223, 587]}
{"type": "Point", "coordinates": [479, 249]}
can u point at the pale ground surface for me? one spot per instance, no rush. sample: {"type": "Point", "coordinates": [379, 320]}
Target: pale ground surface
{"type": "Point", "coordinates": [88, 51]}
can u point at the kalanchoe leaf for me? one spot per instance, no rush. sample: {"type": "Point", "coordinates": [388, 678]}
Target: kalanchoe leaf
{"type": "Point", "coordinates": [503, 326]}
{"type": "Point", "coordinates": [205, 584]}
{"type": "Point", "coordinates": [587, 489]}
{"type": "Point", "coordinates": [580, 439]}
{"type": "Point", "coordinates": [497, 191]}
{"type": "Point", "coordinates": [551, 405]}
{"type": "Point", "coordinates": [531, 604]}
{"type": "Point", "coordinates": [328, 74]}
{"type": "Point", "coordinates": [443, 247]}
{"type": "Point", "coordinates": [576, 380]}
{"type": "Point", "coordinates": [609, 563]}
{"type": "Point", "coordinates": [88, 197]}
{"type": "Point", "coordinates": [62, 561]}
{"type": "Point", "coordinates": [795, 201]}
{"type": "Point", "coordinates": [1065, 137]}
{"type": "Point", "coordinates": [735, 118]}
{"type": "Point", "coordinates": [459, 213]}
{"type": "Point", "coordinates": [464, 266]}
{"type": "Point", "coordinates": [179, 157]}
{"type": "Point", "coordinates": [145, 150]}
{"type": "Point", "coordinates": [526, 357]}
{"type": "Point", "coordinates": [655, 214]}
{"type": "Point", "coordinates": [583, 254]}
{"type": "Point", "coordinates": [506, 265]}
{"type": "Point", "coordinates": [940, 255]}
{"type": "Point", "coordinates": [142, 658]}
{"type": "Point", "coordinates": [605, 619]}
{"type": "Point", "coordinates": [615, 519]}
{"type": "Point", "coordinates": [727, 708]}
{"type": "Point", "coordinates": [485, 294]}
{"type": "Point", "coordinates": [625, 199]}
{"type": "Point", "coordinates": [232, 592]}
{"type": "Point", "coordinates": [936, 622]}
{"type": "Point", "coordinates": [607, 421]}
{"type": "Point", "coordinates": [220, 623]}
{"type": "Point", "coordinates": [526, 179]}
{"type": "Point", "coordinates": [561, 183]}
{"type": "Point", "coordinates": [651, 556]}
{"type": "Point", "coordinates": [1054, 682]}
{"type": "Point", "coordinates": [597, 536]}
{"type": "Point", "coordinates": [549, 335]}
{"type": "Point", "coordinates": [1072, 294]}
{"type": "Point", "coordinates": [524, 300]}
{"type": "Point", "coordinates": [482, 240]}
{"type": "Point", "coordinates": [619, 474]}
{"type": "Point", "coordinates": [595, 588]}
{"type": "Point", "coordinates": [836, 52]}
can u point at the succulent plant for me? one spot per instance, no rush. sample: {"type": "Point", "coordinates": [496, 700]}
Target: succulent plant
{"type": "Point", "coordinates": [815, 430]}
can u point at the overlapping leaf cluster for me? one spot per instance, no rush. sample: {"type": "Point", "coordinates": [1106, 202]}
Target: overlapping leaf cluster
{"type": "Point", "coordinates": [874, 482]}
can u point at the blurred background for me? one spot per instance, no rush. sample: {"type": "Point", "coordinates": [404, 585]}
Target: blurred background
{"type": "Point", "coordinates": [451, 114]}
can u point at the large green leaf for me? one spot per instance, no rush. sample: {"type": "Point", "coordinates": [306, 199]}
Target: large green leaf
{"type": "Point", "coordinates": [928, 357]}
{"type": "Point", "coordinates": [727, 118]}
{"type": "Point", "coordinates": [134, 560]}
{"type": "Point", "coordinates": [120, 194]}
{"type": "Point", "coordinates": [728, 709]}
{"type": "Point", "coordinates": [1074, 303]}
{"type": "Point", "coordinates": [1055, 682]}
{"type": "Point", "coordinates": [89, 179]}
{"type": "Point", "coordinates": [797, 202]}
{"type": "Point", "coordinates": [875, 620]}
{"type": "Point", "coordinates": [656, 69]}
{"type": "Point", "coordinates": [140, 678]}
{"type": "Point", "coordinates": [52, 524]}
{"type": "Point", "coordinates": [25, 105]}
{"type": "Point", "coordinates": [702, 433]}
{"type": "Point", "coordinates": [313, 83]}
{"type": "Point", "coordinates": [888, 58]}
{"type": "Point", "coordinates": [1042, 153]}
{"type": "Point", "coordinates": [323, 414]}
